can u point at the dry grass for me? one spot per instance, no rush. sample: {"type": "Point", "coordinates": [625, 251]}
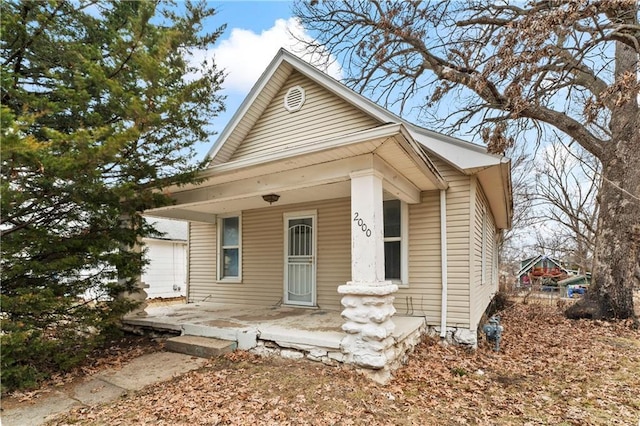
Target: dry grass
{"type": "Point", "coordinates": [550, 371]}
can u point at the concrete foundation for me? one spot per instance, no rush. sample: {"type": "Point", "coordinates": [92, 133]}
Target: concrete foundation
{"type": "Point", "coordinates": [293, 333]}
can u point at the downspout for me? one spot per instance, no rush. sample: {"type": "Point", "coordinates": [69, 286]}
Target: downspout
{"type": "Point", "coordinates": [443, 262]}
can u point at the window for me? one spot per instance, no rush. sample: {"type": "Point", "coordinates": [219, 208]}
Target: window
{"type": "Point", "coordinates": [395, 241]}
{"type": "Point", "coordinates": [229, 248]}
{"type": "Point", "coordinates": [483, 248]}
{"type": "Point", "coordinates": [494, 268]}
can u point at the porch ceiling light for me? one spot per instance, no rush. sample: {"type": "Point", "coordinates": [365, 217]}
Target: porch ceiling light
{"type": "Point", "coordinates": [271, 198]}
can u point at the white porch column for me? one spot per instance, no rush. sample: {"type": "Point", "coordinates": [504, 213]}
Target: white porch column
{"type": "Point", "coordinates": [367, 298]}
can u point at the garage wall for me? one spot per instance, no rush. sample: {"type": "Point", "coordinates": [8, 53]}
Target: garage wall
{"type": "Point", "coordinates": [166, 274]}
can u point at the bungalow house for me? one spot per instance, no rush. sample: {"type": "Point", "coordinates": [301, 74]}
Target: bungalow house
{"type": "Point", "coordinates": [540, 269]}
{"type": "Point", "coordinates": [318, 198]}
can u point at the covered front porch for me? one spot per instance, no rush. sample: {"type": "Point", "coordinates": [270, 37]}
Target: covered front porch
{"type": "Point", "coordinates": [311, 219]}
{"type": "Point", "coordinates": [315, 334]}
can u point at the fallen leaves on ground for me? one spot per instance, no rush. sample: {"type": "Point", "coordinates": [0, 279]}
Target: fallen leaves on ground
{"type": "Point", "coordinates": [111, 355]}
{"type": "Point", "coordinates": [549, 370]}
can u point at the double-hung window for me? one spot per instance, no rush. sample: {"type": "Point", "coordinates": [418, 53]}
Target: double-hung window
{"type": "Point", "coordinates": [395, 241]}
{"type": "Point", "coordinates": [484, 248]}
{"type": "Point", "coordinates": [229, 248]}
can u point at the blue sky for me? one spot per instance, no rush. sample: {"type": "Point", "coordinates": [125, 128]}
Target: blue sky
{"type": "Point", "coordinates": [255, 31]}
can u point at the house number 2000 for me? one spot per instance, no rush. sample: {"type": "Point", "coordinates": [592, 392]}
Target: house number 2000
{"type": "Point", "coordinates": [362, 225]}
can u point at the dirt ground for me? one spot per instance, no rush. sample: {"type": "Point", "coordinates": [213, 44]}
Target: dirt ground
{"type": "Point", "coordinates": [549, 371]}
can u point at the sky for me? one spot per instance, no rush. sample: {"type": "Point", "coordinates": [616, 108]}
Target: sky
{"type": "Point", "coordinates": [255, 31]}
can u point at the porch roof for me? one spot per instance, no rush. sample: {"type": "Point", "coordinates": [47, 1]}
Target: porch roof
{"type": "Point", "coordinates": [309, 172]}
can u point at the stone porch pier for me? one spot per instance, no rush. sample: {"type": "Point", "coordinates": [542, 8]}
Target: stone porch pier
{"type": "Point", "coordinates": [368, 298]}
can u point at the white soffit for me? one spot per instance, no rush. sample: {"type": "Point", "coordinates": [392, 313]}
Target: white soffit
{"type": "Point", "coordinates": [465, 156]}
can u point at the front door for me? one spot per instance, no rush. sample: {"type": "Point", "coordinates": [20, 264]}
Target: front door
{"type": "Point", "coordinates": [300, 259]}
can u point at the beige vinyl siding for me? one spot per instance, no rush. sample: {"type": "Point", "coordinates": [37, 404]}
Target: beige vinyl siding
{"type": "Point", "coordinates": [263, 256]}
{"type": "Point", "coordinates": [260, 103]}
{"type": "Point", "coordinates": [425, 278]}
{"type": "Point", "coordinates": [322, 116]}
{"type": "Point", "coordinates": [202, 260]}
{"type": "Point", "coordinates": [334, 251]}
{"type": "Point", "coordinates": [483, 290]}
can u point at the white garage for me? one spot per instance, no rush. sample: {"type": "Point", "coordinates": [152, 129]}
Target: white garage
{"type": "Point", "coordinates": [166, 273]}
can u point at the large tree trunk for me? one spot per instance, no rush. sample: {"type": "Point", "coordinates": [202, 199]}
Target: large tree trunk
{"type": "Point", "coordinates": [616, 269]}
{"type": "Point", "coordinates": [616, 266]}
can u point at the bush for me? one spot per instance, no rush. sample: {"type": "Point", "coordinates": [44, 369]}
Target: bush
{"type": "Point", "coordinates": [499, 303]}
{"type": "Point", "coordinates": [32, 352]}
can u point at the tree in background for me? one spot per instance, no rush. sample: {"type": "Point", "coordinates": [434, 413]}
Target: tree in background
{"type": "Point", "coordinates": [567, 181]}
{"type": "Point", "coordinates": [101, 109]}
{"type": "Point", "coordinates": [568, 65]}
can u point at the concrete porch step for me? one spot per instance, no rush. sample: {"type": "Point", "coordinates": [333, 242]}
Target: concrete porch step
{"type": "Point", "coordinates": [203, 347]}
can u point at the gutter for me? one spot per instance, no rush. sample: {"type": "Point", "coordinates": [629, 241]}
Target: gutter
{"type": "Point", "coordinates": [443, 262]}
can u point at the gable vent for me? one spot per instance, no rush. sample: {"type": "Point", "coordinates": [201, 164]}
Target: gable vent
{"type": "Point", "coordinates": [294, 99]}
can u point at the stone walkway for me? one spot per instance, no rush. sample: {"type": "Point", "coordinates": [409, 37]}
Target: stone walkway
{"type": "Point", "coordinates": [103, 387]}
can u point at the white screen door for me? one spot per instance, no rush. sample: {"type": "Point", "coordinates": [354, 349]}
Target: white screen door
{"type": "Point", "coordinates": [300, 268]}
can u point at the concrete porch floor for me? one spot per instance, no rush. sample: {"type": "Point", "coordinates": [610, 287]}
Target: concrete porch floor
{"type": "Point", "coordinates": [251, 326]}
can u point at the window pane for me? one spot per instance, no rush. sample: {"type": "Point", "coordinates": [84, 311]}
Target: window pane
{"type": "Point", "coordinates": [230, 261]}
{"type": "Point", "coordinates": [392, 218]}
{"type": "Point", "coordinates": [392, 260]}
{"type": "Point", "coordinates": [230, 231]}
{"type": "Point", "coordinates": [300, 237]}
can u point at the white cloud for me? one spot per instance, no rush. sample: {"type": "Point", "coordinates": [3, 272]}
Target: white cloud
{"type": "Point", "coordinates": [245, 54]}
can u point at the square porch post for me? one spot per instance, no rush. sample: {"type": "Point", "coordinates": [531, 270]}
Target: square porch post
{"type": "Point", "coordinates": [367, 298]}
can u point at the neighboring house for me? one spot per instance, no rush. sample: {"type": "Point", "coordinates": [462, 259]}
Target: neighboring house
{"type": "Point", "coordinates": [541, 269]}
{"type": "Point", "coordinates": [166, 273]}
{"type": "Point", "coordinates": [317, 197]}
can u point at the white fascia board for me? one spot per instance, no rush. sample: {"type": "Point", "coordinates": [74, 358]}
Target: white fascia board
{"type": "Point", "coordinates": [171, 212]}
{"type": "Point", "coordinates": [377, 133]}
{"type": "Point", "coordinates": [466, 157]}
{"type": "Point", "coordinates": [380, 133]}
{"type": "Point", "coordinates": [505, 168]}
{"type": "Point", "coordinates": [286, 180]}
{"type": "Point", "coordinates": [496, 182]}
{"type": "Point", "coordinates": [420, 157]}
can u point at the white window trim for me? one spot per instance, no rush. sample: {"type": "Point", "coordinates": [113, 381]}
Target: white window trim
{"type": "Point", "coordinates": [483, 248]}
{"type": "Point", "coordinates": [219, 250]}
{"type": "Point", "coordinates": [495, 276]}
{"type": "Point", "coordinates": [404, 246]}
